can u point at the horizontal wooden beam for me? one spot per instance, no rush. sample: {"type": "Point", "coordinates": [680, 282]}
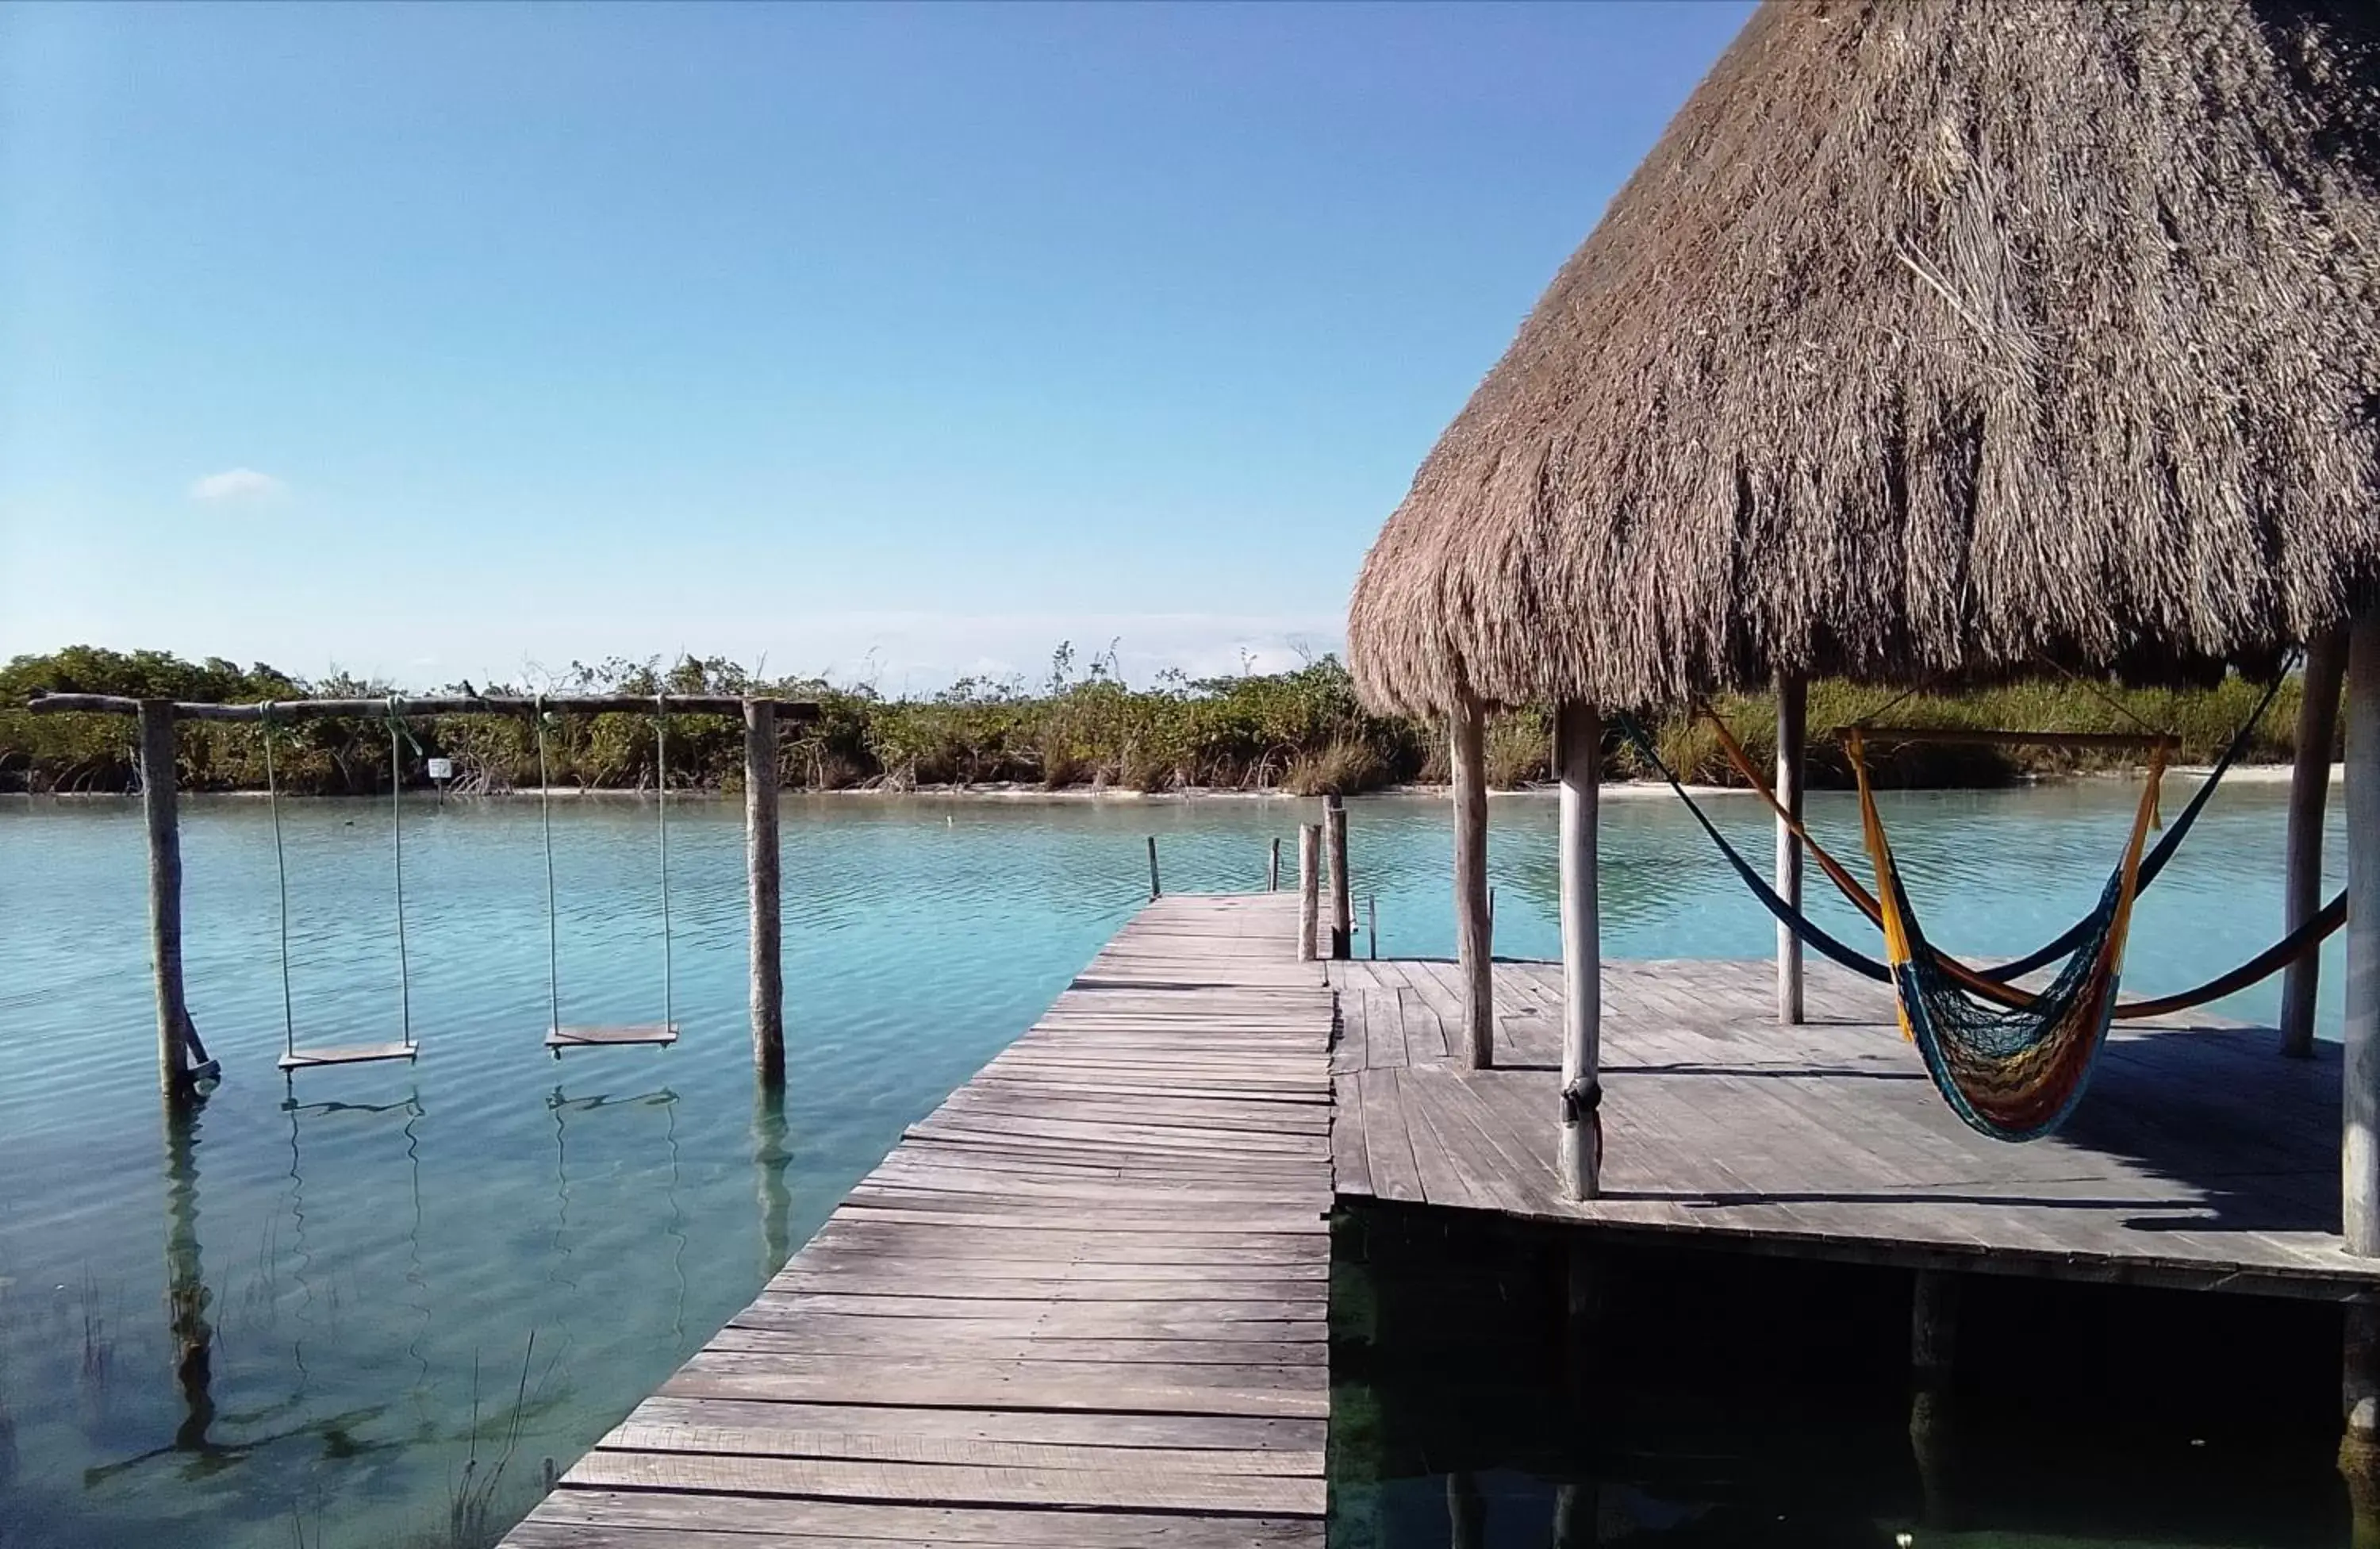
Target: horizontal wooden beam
{"type": "Point", "coordinates": [1980, 736]}
{"type": "Point", "coordinates": [474, 704]}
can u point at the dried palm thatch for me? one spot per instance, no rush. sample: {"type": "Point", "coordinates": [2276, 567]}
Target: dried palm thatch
{"type": "Point", "coordinates": [1933, 337]}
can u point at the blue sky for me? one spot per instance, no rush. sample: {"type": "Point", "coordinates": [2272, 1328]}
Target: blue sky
{"type": "Point", "coordinates": [886, 342]}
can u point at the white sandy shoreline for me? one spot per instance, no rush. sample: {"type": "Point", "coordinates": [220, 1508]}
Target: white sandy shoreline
{"type": "Point", "coordinates": [1623, 790]}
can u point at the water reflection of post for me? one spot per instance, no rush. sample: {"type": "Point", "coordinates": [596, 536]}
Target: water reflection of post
{"type": "Point", "coordinates": [1466, 1511]}
{"type": "Point", "coordinates": [1933, 1345]}
{"type": "Point", "coordinates": [2359, 1449]}
{"type": "Point", "coordinates": [1575, 1508]}
{"type": "Point", "coordinates": [185, 1285]}
{"type": "Point", "coordinates": [771, 1156]}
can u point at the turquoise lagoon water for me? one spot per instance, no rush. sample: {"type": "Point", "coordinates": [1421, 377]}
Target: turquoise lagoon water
{"type": "Point", "coordinates": [380, 1316]}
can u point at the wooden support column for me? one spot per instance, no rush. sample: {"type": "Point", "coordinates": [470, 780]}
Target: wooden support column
{"type": "Point", "coordinates": [2326, 665]}
{"type": "Point", "coordinates": [1343, 900]}
{"type": "Point", "coordinates": [1309, 883]}
{"type": "Point", "coordinates": [1466, 1512]}
{"type": "Point", "coordinates": [1932, 1361]}
{"type": "Point", "coordinates": [1273, 867]}
{"type": "Point", "coordinates": [1792, 737]}
{"type": "Point", "coordinates": [2359, 1395]}
{"type": "Point", "coordinates": [1578, 759]}
{"type": "Point", "coordinates": [1474, 931]}
{"type": "Point", "coordinates": [2360, 1107]}
{"type": "Point", "coordinates": [158, 805]}
{"type": "Point", "coordinates": [1155, 888]}
{"type": "Point", "coordinates": [762, 868]}
{"type": "Point", "coordinates": [1573, 1524]}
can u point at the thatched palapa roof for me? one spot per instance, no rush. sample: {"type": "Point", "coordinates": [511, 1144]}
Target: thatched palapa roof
{"type": "Point", "coordinates": [1932, 335]}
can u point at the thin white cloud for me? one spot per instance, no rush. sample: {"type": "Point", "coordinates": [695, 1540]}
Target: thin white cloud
{"type": "Point", "coordinates": [237, 485]}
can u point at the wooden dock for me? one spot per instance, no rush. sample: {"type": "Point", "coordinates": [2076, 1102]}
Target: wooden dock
{"type": "Point", "coordinates": [2199, 1157]}
{"type": "Point", "coordinates": [1083, 1303]}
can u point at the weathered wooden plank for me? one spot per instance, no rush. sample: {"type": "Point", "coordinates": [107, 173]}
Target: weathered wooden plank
{"type": "Point", "coordinates": [773, 1441]}
{"type": "Point", "coordinates": [828, 1521]}
{"type": "Point", "coordinates": [1025, 1387]}
{"type": "Point", "coordinates": [1083, 1303]}
{"type": "Point", "coordinates": [1042, 1344]}
{"type": "Point", "coordinates": [954, 1484]}
{"type": "Point", "coordinates": [1388, 1146]}
{"type": "Point", "coordinates": [1350, 1169]}
{"type": "Point", "coordinates": [2198, 1158]}
{"type": "Point", "coordinates": [1052, 1427]}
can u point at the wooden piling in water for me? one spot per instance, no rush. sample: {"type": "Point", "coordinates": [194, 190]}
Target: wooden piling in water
{"type": "Point", "coordinates": [1578, 759]}
{"type": "Point", "coordinates": [2358, 1402]}
{"type": "Point", "coordinates": [1309, 897]}
{"type": "Point", "coordinates": [1155, 891]}
{"type": "Point", "coordinates": [1474, 925]}
{"type": "Point", "coordinates": [158, 805]}
{"type": "Point", "coordinates": [1272, 869]}
{"type": "Point", "coordinates": [1343, 899]}
{"type": "Point", "coordinates": [762, 870]}
{"type": "Point", "coordinates": [1792, 736]}
{"type": "Point", "coordinates": [2359, 1105]}
{"type": "Point", "coordinates": [2326, 665]}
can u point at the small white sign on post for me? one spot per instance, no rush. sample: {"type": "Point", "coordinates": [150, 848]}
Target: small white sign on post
{"type": "Point", "coordinates": [442, 770]}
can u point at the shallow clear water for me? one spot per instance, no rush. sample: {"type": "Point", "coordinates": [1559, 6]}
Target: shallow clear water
{"type": "Point", "coordinates": [493, 1234]}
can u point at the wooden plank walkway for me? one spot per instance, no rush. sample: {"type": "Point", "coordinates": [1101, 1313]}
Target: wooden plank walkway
{"type": "Point", "coordinates": [1083, 1303]}
{"type": "Point", "coordinates": [2199, 1157]}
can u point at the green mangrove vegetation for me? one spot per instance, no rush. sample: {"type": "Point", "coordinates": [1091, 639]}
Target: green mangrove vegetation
{"type": "Point", "coordinates": [1300, 732]}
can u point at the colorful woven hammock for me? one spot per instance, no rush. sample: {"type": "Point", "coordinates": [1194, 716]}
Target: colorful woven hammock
{"type": "Point", "coordinates": [2012, 1071]}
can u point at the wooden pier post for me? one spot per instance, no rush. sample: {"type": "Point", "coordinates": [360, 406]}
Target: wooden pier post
{"type": "Point", "coordinates": [762, 866]}
{"type": "Point", "coordinates": [158, 806]}
{"type": "Point", "coordinates": [2325, 663]}
{"type": "Point", "coordinates": [2359, 1105]}
{"type": "Point", "coordinates": [1474, 931]}
{"type": "Point", "coordinates": [1155, 891]}
{"type": "Point", "coordinates": [2359, 1399]}
{"type": "Point", "coordinates": [1343, 900]}
{"type": "Point", "coordinates": [1933, 1359]}
{"type": "Point", "coordinates": [1578, 760]}
{"type": "Point", "coordinates": [1792, 739]}
{"type": "Point", "coordinates": [1573, 1524]}
{"type": "Point", "coordinates": [1466, 1511]}
{"type": "Point", "coordinates": [1273, 867]}
{"type": "Point", "coordinates": [1309, 883]}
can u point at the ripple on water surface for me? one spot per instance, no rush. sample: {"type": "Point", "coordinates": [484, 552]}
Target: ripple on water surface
{"type": "Point", "coordinates": [492, 1233]}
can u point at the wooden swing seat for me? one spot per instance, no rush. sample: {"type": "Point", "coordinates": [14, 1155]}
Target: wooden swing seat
{"type": "Point", "coordinates": [660, 1034]}
{"type": "Point", "coordinates": [347, 1054]}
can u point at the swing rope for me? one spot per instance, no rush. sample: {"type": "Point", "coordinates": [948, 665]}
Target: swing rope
{"type": "Point", "coordinates": [397, 736]}
{"type": "Point", "coordinates": [661, 734]}
{"type": "Point", "coordinates": [281, 874]}
{"type": "Point", "coordinates": [552, 919]}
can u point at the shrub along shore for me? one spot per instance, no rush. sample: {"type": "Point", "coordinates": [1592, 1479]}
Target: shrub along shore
{"type": "Point", "coordinates": [1299, 732]}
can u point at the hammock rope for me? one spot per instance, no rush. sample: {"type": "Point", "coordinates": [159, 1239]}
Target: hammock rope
{"type": "Point", "coordinates": [2274, 959]}
{"type": "Point", "coordinates": [2013, 1073]}
{"type": "Point", "coordinates": [1987, 981]}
